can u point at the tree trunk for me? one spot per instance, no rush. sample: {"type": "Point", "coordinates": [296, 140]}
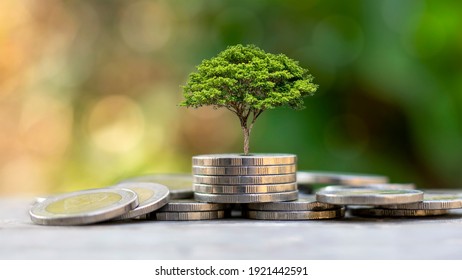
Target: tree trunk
{"type": "Point", "coordinates": [246, 140]}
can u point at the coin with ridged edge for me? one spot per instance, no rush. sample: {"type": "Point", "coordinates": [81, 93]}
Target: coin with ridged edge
{"type": "Point", "coordinates": [151, 196]}
{"type": "Point", "coordinates": [244, 170]}
{"type": "Point", "coordinates": [243, 189]}
{"type": "Point", "coordinates": [433, 201]}
{"type": "Point", "coordinates": [246, 198]}
{"type": "Point", "coordinates": [380, 212]}
{"type": "Point", "coordinates": [83, 207]}
{"type": "Point", "coordinates": [332, 178]}
{"type": "Point", "coordinates": [190, 205]}
{"type": "Point", "coordinates": [244, 180]}
{"type": "Point", "coordinates": [307, 203]}
{"type": "Point", "coordinates": [243, 160]}
{"type": "Point", "coordinates": [394, 186]}
{"type": "Point", "coordinates": [369, 196]}
{"type": "Point", "coordinates": [295, 215]}
{"type": "Point", "coordinates": [187, 216]}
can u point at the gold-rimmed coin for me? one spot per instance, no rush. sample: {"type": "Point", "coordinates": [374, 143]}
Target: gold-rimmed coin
{"type": "Point", "coordinates": [151, 196]}
{"type": "Point", "coordinates": [83, 207]}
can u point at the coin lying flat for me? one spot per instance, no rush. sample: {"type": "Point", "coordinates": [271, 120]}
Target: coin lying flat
{"type": "Point", "coordinates": [394, 186]}
{"type": "Point", "coordinates": [187, 216]}
{"type": "Point", "coordinates": [242, 189]}
{"type": "Point", "coordinates": [240, 160]}
{"type": "Point", "coordinates": [244, 170]}
{"type": "Point", "coordinates": [369, 196]}
{"type": "Point", "coordinates": [321, 177]}
{"type": "Point", "coordinates": [295, 215]}
{"type": "Point", "coordinates": [380, 212]}
{"type": "Point", "coordinates": [246, 198]}
{"type": "Point", "coordinates": [433, 201]}
{"type": "Point", "coordinates": [245, 180]}
{"type": "Point", "coordinates": [307, 203]}
{"type": "Point", "coordinates": [190, 205]}
{"type": "Point", "coordinates": [84, 207]}
{"type": "Point", "coordinates": [151, 196]}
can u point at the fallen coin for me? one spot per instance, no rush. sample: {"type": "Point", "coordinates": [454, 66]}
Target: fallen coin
{"type": "Point", "coordinates": [369, 196]}
{"type": "Point", "coordinates": [84, 207]}
{"type": "Point", "coordinates": [151, 196]}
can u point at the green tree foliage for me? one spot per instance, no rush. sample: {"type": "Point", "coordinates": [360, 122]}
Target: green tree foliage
{"type": "Point", "coordinates": [247, 81]}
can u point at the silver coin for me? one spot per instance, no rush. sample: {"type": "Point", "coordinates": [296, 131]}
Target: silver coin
{"type": "Point", "coordinates": [245, 180]}
{"type": "Point", "coordinates": [369, 196]}
{"type": "Point", "coordinates": [172, 181]}
{"type": "Point", "coordinates": [332, 178]}
{"type": "Point", "coordinates": [433, 201]}
{"type": "Point", "coordinates": [151, 196]}
{"type": "Point", "coordinates": [242, 189]}
{"type": "Point", "coordinates": [243, 160]}
{"type": "Point", "coordinates": [380, 212]}
{"type": "Point", "coordinates": [182, 194]}
{"type": "Point", "coordinates": [84, 207]}
{"type": "Point", "coordinates": [244, 170]}
{"type": "Point", "coordinates": [187, 216]}
{"type": "Point", "coordinates": [307, 203]}
{"type": "Point", "coordinates": [190, 205]}
{"type": "Point", "coordinates": [246, 198]}
{"type": "Point", "coordinates": [388, 186]}
{"type": "Point", "coordinates": [295, 215]}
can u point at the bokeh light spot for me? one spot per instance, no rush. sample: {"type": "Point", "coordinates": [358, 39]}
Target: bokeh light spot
{"type": "Point", "coordinates": [338, 40]}
{"type": "Point", "coordinates": [346, 136]}
{"type": "Point", "coordinates": [146, 25]}
{"type": "Point", "coordinates": [116, 124]}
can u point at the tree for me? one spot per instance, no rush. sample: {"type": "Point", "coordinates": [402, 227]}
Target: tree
{"type": "Point", "coordinates": [247, 81]}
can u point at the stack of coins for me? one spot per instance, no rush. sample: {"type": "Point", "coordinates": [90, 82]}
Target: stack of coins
{"type": "Point", "coordinates": [233, 178]}
{"type": "Point", "coordinates": [189, 210]}
{"type": "Point", "coordinates": [306, 208]}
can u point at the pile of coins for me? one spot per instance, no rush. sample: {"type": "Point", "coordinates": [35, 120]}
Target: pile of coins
{"type": "Point", "coordinates": [233, 178]}
{"type": "Point", "coordinates": [262, 187]}
{"type": "Point", "coordinates": [189, 210]}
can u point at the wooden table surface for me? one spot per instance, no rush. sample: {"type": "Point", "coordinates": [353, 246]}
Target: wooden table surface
{"type": "Point", "coordinates": [236, 238]}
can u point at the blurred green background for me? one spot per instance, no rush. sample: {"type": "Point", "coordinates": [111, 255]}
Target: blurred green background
{"type": "Point", "coordinates": [89, 89]}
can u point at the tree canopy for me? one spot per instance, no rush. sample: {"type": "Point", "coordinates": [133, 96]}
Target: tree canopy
{"type": "Point", "coordinates": [247, 81]}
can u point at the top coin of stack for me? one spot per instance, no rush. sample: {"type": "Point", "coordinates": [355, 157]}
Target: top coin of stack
{"type": "Point", "coordinates": [234, 178]}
